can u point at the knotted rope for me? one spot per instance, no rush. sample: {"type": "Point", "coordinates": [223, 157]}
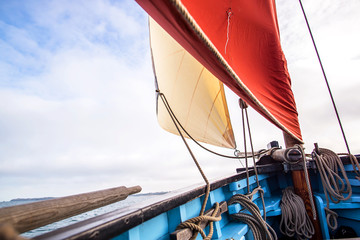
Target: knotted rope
{"type": "Point", "coordinates": [194, 223]}
{"type": "Point", "coordinates": [294, 219]}
{"type": "Point", "coordinates": [328, 164]}
{"type": "Point", "coordinates": [259, 227]}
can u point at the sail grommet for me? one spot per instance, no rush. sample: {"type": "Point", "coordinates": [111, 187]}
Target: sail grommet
{"type": "Point", "coordinates": [242, 104]}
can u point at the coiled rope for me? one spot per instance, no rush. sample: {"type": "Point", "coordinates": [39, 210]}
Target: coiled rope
{"type": "Point", "coordinates": [294, 219]}
{"type": "Point", "coordinates": [259, 227]}
{"type": "Point", "coordinates": [193, 224]}
{"type": "Point", "coordinates": [328, 164]}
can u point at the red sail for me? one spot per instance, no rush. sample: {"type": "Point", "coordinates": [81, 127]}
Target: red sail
{"type": "Point", "coordinates": [238, 42]}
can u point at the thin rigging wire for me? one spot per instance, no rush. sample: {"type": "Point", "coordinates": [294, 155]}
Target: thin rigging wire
{"type": "Point", "coordinates": [326, 81]}
{"type": "Point", "coordinates": [254, 163]}
{"type": "Point", "coordinates": [191, 153]}
{"type": "Point", "coordinates": [245, 149]}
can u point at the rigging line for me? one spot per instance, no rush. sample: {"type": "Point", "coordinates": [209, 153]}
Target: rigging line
{"type": "Point", "coordinates": [207, 191]}
{"type": "Point", "coordinates": [335, 185]}
{"type": "Point", "coordinates": [326, 81]}
{"type": "Point", "coordinates": [218, 154]}
{"type": "Point", "coordinates": [254, 162]}
{"type": "Point", "coordinates": [191, 153]}
{"type": "Point", "coordinates": [307, 180]}
{"type": "Point", "coordinates": [245, 149]}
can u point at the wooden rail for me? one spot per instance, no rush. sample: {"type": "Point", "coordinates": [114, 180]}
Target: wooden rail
{"type": "Point", "coordinates": [33, 215]}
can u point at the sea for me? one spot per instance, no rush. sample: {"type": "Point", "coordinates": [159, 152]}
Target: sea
{"type": "Point", "coordinates": [130, 200]}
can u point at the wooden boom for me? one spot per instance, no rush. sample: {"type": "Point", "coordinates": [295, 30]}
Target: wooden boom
{"type": "Point", "coordinates": [33, 215]}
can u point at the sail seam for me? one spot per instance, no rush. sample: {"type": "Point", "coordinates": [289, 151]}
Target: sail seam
{"type": "Point", "coordinates": [193, 94]}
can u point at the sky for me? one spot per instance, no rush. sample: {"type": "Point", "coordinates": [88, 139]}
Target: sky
{"type": "Point", "coordinates": [77, 100]}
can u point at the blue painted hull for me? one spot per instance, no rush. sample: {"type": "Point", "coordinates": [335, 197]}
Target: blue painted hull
{"type": "Point", "coordinates": [158, 218]}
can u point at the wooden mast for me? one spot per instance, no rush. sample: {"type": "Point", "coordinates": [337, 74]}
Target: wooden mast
{"type": "Point", "coordinates": [300, 188]}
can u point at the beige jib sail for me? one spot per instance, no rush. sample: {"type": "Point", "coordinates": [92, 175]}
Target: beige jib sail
{"type": "Point", "coordinates": [195, 95]}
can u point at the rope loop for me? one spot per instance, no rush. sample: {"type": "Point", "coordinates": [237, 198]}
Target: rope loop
{"type": "Point", "coordinates": [328, 164]}
{"type": "Point", "coordinates": [194, 224]}
{"type": "Point", "coordinates": [331, 219]}
{"type": "Point", "coordinates": [257, 189]}
{"type": "Point", "coordinates": [259, 227]}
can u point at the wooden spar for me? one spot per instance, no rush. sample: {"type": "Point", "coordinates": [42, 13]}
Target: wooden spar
{"type": "Point", "coordinates": [33, 215]}
{"type": "Point", "coordinates": [300, 188]}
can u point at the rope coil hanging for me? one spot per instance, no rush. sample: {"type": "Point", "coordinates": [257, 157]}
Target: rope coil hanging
{"type": "Point", "coordinates": [329, 164]}
{"type": "Point", "coordinates": [259, 227]}
{"type": "Point", "coordinates": [294, 219]}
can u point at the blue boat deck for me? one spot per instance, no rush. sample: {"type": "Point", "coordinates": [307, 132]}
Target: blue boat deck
{"type": "Point", "coordinates": [158, 218]}
{"type": "Point", "coordinates": [348, 210]}
{"type": "Point", "coordinates": [166, 223]}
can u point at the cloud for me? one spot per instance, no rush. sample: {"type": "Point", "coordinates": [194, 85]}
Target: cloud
{"type": "Point", "coordinates": [333, 25]}
{"type": "Point", "coordinates": [77, 99]}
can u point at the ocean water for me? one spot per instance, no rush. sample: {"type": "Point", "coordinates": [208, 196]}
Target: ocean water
{"type": "Point", "coordinates": [130, 200]}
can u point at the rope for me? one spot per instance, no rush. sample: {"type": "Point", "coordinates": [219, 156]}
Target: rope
{"type": "Point", "coordinates": [328, 164]}
{"type": "Point", "coordinates": [169, 109]}
{"type": "Point", "coordinates": [326, 81]}
{"type": "Point", "coordinates": [259, 227]}
{"type": "Point", "coordinates": [193, 224]}
{"type": "Point", "coordinates": [294, 219]}
{"type": "Point", "coordinates": [354, 163]}
{"type": "Point", "coordinates": [332, 187]}
{"type": "Point", "coordinates": [313, 209]}
{"type": "Point", "coordinates": [243, 107]}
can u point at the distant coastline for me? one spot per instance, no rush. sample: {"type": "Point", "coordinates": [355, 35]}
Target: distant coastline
{"type": "Point", "coordinates": [151, 193]}
{"type": "Point", "coordinates": [30, 199]}
{"type": "Point", "coordinates": [48, 198]}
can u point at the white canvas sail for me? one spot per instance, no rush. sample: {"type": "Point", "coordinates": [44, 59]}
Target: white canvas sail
{"type": "Point", "coordinates": [195, 95]}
